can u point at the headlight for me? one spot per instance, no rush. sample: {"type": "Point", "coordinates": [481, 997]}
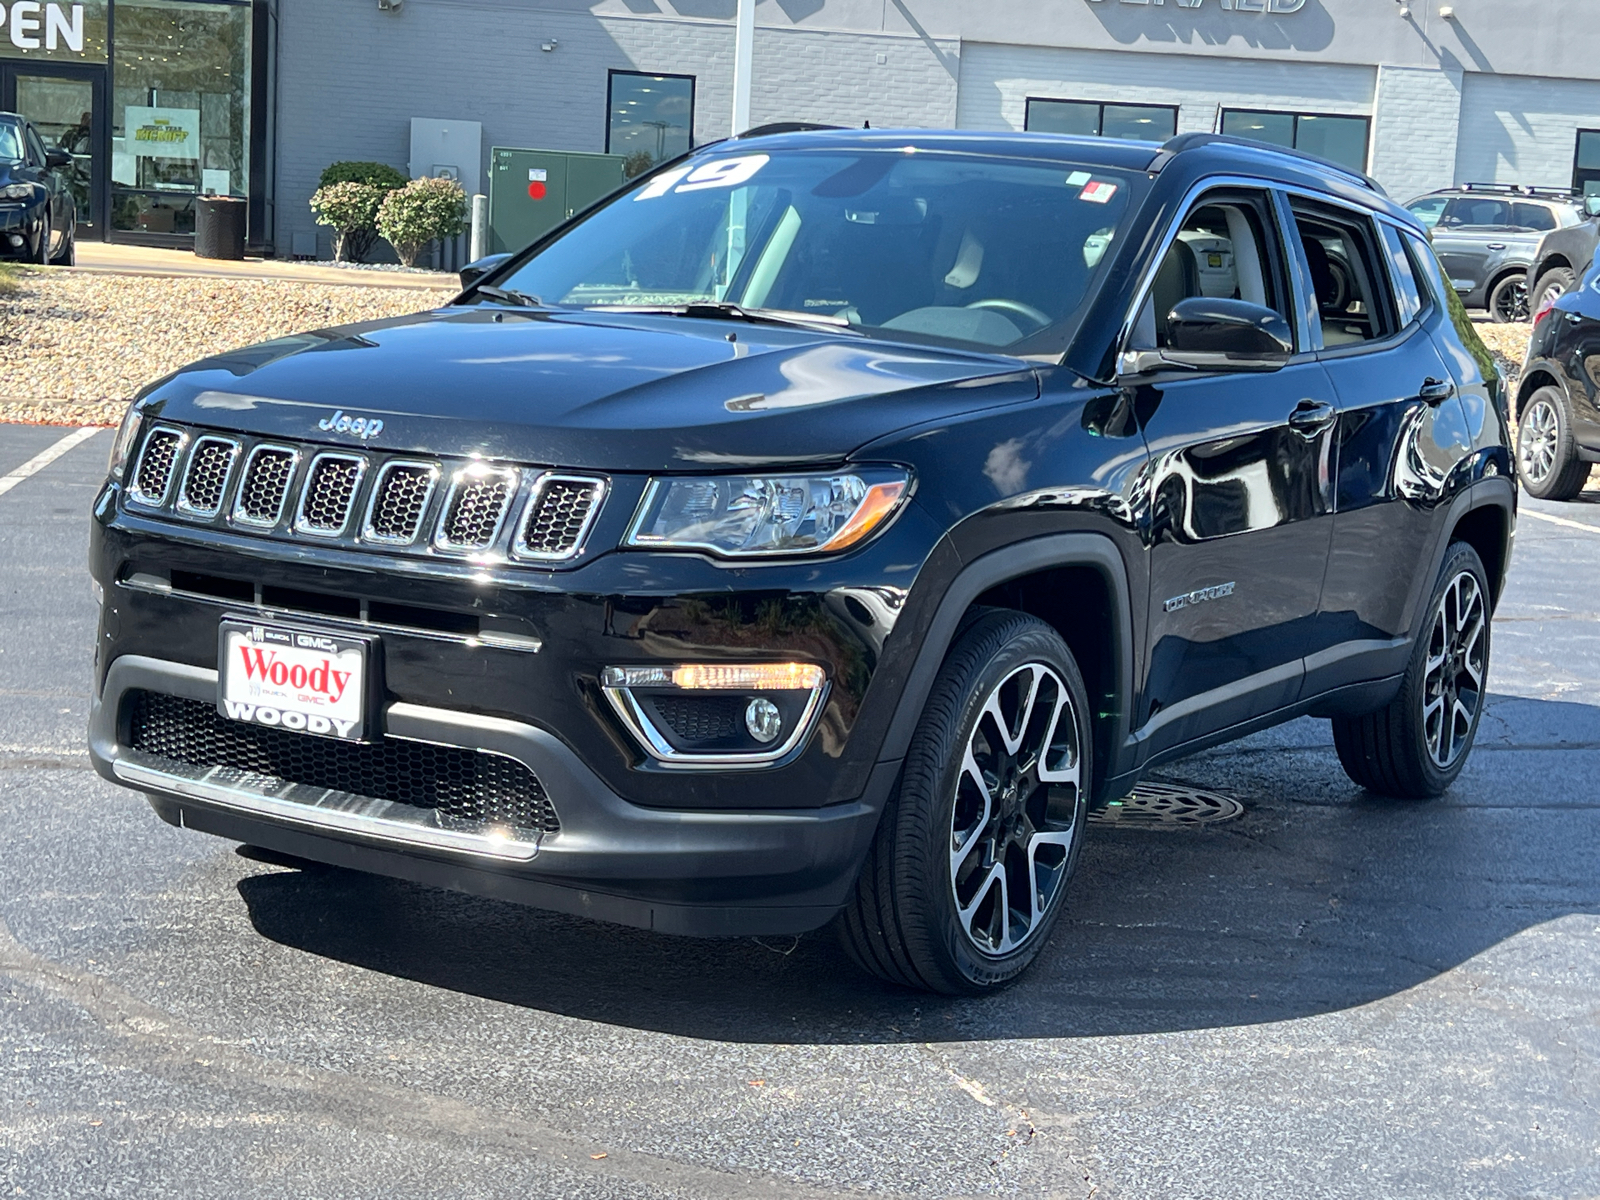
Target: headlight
{"type": "Point", "coordinates": [747, 516]}
{"type": "Point", "coordinates": [122, 444]}
{"type": "Point", "coordinates": [17, 191]}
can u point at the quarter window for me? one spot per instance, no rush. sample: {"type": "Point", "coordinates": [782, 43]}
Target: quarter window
{"type": "Point", "coordinates": [1408, 296]}
{"type": "Point", "coordinates": [1088, 118]}
{"type": "Point", "coordinates": [1341, 253]}
{"type": "Point", "coordinates": [649, 118]}
{"type": "Point", "coordinates": [1339, 139]}
{"type": "Point", "coordinates": [1537, 217]}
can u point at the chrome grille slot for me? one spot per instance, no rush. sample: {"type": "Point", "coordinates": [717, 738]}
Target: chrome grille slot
{"type": "Point", "coordinates": [399, 498]}
{"type": "Point", "coordinates": [264, 486]}
{"type": "Point", "coordinates": [559, 514]}
{"type": "Point", "coordinates": [475, 508]}
{"type": "Point", "coordinates": [206, 478]}
{"type": "Point", "coordinates": [153, 480]}
{"type": "Point", "coordinates": [329, 492]}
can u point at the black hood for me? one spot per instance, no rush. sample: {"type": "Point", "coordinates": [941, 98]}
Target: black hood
{"type": "Point", "coordinates": [605, 391]}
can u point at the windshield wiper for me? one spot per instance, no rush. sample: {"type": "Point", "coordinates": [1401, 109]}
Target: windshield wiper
{"type": "Point", "coordinates": [508, 296]}
{"type": "Point", "coordinates": [723, 311]}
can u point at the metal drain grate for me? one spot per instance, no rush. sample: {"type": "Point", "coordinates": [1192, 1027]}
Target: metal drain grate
{"type": "Point", "coordinates": [1167, 806]}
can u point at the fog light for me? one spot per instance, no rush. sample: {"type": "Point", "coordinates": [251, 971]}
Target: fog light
{"type": "Point", "coordinates": [15, 239]}
{"type": "Point", "coordinates": [763, 719]}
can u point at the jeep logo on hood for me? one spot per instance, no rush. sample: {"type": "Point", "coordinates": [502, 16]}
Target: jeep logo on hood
{"type": "Point", "coordinates": [342, 422]}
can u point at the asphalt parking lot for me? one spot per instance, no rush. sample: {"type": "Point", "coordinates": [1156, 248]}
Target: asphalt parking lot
{"type": "Point", "coordinates": [1331, 996]}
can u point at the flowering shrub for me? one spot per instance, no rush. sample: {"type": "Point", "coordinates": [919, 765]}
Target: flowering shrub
{"type": "Point", "coordinates": [352, 211]}
{"type": "Point", "coordinates": [412, 217]}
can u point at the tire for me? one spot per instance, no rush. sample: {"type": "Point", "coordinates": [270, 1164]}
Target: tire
{"type": "Point", "coordinates": [1547, 453]}
{"type": "Point", "coordinates": [41, 256]}
{"type": "Point", "coordinates": [1508, 300]}
{"type": "Point", "coordinates": [67, 256]}
{"type": "Point", "coordinates": [1560, 280]}
{"type": "Point", "coordinates": [1414, 747]}
{"type": "Point", "coordinates": [928, 911]}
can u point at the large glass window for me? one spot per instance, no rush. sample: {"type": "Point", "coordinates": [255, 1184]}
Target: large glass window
{"type": "Point", "coordinates": [1087, 118]}
{"type": "Point", "coordinates": [1339, 139]}
{"type": "Point", "coordinates": [649, 118]}
{"type": "Point", "coordinates": [180, 113]}
{"type": "Point", "coordinates": [1586, 163]}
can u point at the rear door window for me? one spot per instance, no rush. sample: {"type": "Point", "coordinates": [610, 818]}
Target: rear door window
{"type": "Point", "coordinates": [1342, 254]}
{"type": "Point", "coordinates": [1475, 211]}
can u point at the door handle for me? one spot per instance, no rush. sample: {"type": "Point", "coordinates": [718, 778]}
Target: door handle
{"type": "Point", "coordinates": [1435, 391]}
{"type": "Point", "coordinates": [1574, 317]}
{"type": "Point", "coordinates": [1311, 417]}
{"type": "Point", "coordinates": [1495, 246]}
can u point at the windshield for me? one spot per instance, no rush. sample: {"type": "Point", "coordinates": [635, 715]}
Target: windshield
{"type": "Point", "coordinates": [936, 247]}
{"type": "Point", "coordinates": [10, 142]}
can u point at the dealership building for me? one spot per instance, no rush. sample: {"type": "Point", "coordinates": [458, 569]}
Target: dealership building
{"type": "Point", "coordinates": [163, 100]}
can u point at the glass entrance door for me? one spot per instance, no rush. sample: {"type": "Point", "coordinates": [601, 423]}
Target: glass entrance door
{"type": "Point", "coordinates": [67, 106]}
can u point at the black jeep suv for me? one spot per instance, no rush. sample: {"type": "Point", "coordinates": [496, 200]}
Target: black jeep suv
{"type": "Point", "coordinates": [816, 529]}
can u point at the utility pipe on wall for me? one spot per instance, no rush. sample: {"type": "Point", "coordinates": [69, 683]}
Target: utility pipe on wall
{"type": "Point", "coordinates": [744, 41]}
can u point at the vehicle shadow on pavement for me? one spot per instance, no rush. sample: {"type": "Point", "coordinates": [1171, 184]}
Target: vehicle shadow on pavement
{"type": "Point", "coordinates": [1321, 897]}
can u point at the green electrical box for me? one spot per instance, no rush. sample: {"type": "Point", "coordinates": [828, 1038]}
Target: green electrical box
{"type": "Point", "coordinates": [533, 191]}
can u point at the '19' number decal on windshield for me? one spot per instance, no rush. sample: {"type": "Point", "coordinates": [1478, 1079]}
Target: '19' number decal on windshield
{"type": "Point", "coordinates": [722, 173]}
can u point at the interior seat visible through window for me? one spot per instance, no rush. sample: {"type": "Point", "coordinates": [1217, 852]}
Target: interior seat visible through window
{"type": "Point", "coordinates": [1342, 258]}
{"type": "Point", "coordinates": [1219, 252]}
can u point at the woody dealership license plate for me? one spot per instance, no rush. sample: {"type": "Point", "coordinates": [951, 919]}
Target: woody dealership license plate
{"type": "Point", "coordinates": [289, 678]}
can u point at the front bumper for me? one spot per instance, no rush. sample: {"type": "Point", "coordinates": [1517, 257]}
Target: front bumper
{"type": "Point", "coordinates": [702, 873]}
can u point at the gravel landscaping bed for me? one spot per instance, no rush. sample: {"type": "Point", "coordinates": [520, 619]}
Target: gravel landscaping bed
{"type": "Point", "coordinates": [75, 348]}
{"type": "Point", "coordinates": [1508, 343]}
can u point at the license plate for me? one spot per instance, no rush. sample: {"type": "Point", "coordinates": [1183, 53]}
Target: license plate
{"type": "Point", "coordinates": [288, 678]}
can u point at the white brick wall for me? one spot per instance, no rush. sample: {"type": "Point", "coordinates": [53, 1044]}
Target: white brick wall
{"type": "Point", "coordinates": [1416, 117]}
{"type": "Point", "coordinates": [351, 78]}
{"type": "Point", "coordinates": [996, 82]}
{"type": "Point", "coordinates": [1517, 129]}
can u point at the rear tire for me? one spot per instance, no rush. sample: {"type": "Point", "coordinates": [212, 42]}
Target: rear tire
{"type": "Point", "coordinates": [1547, 453]}
{"type": "Point", "coordinates": [1508, 301]}
{"type": "Point", "coordinates": [970, 864]}
{"type": "Point", "coordinates": [1551, 286]}
{"type": "Point", "coordinates": [1416, 745]}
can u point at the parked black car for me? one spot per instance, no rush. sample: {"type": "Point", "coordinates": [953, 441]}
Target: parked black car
{"type": "Point", "coordinates": [1485, 236]}
{"type": "Point", "coordinates": [38, 214]}
{"type": "Point", "coordinates": [817, 529]}
{"type": "Point", "coordinates": [1562, 256]}
{"type": "Point", "coordinates": [1558, 396]}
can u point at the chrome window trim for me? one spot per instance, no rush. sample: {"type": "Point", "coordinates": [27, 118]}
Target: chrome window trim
{"type": "Point", "coordinates": [300, 525]}
{"type": "Point", "coordinates": [649, 737]}
{"type": "Point", "coordinates": [602, 488]}
{"type": "Point", "coordinates": [434, 474]}
{"type": "Point", "coordinates": [179, 457]}
{"type": "Point", "coordinates": [236, 515]}
{"type": "Point", "coordinates": [441, 542]}
{"type": "Point", "coordinates": [182, 504]}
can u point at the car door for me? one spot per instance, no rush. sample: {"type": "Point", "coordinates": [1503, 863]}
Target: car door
{"type": "Point", "coordinates": [1462, 236]}
{"type": "Point", "coordinates": [1238, 491]}
{"type": "Point", "coordinates": [46, 177]}
{"type": "Point", "coordinates": [1400, 433]}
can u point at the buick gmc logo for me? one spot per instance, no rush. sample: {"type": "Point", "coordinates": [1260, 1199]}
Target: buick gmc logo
{"type": "Point", "coordinates": [364, 428]}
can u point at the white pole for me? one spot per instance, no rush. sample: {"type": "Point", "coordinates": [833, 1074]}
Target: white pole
{"type": "Point", "coordinates": [744, 43]}
{"type": "Point", "coordinates": [480, 227]}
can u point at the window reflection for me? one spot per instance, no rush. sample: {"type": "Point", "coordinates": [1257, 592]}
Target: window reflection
{"type": "Point", "coordinates": [649, 118]}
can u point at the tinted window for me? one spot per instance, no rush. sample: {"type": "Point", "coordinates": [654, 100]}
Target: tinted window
{"type": "Point", "coordinates": [1432, 281]}
{"type": "Point", "coordinates": [1073, 117]}
{"type": "Point", "coordinates": [1341, 251]}
{"type": "Point", "coordinates": [10, 142]}
{"type": "Point", "coordinates": [35, 147]}
{"type": "Point", "coordinates": [649, 118]}
{"type": "Point", "coordinates": [1339, 139]}
{"type": "Point", "coordinates": [1140, 122]}
{"type": "Point", "coordinates": [937, 246]}
{"type": "Point", "coordinates": [1407, 295]}
{"type": "Point", "coordinates": [1532, 216]}
{"type": "Point", "coordinates": [1087, 118]}
{"type": "Point", "coordinates": [1475, 210]}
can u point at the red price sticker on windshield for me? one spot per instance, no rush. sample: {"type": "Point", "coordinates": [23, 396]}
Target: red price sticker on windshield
{"type": "Point", "coordinates": [1097, 191]}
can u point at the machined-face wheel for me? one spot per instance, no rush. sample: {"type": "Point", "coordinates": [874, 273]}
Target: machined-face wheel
{"type": "Point", "coordinates": [1016, 804]}
{"type": "Point", "coordinates": [1453, 674]}
{"type": "Point", "coordinates": [1538, 440]}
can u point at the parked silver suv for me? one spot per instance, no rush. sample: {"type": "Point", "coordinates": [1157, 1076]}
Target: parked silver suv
{"type": "Point", "coordinates": [1486, 234]}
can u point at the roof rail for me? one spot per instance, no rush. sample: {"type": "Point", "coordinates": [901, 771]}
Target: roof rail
{"type": "Point", "coordinates": [776, 127]}
{"type": "Point", "coordinates": [1517, 189]}
{"type": "Point", "coordinates": [1175, 146]}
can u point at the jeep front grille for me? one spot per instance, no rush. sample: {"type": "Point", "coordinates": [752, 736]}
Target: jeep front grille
{"type": "Point", "coordinates": [153, 479]}
{"type": "Point", "coordinates": [399, 498]}
{"type": "Point", "coordinates": [559, 515]}
{"type": "Point", "coordinates": [206, 479]}
{"type": "Point", "coordinates": [330, 490]}
{"type": "Point", "coordinates": [267, 473]}
{"type": "Point", "coordinates": [475, 508]}
{"type": "Point", "coordinates": [468, 785]}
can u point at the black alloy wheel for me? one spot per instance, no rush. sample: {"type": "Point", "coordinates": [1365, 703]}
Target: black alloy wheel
{"type": "Point", "coordinates": [969, 868]}
{"type": "Point", "coordinates": [1547, 453]}
{"type": "Point", "coordinates": [1508, 302]}
{"type": "Point", "coordinates": [1415, 746]}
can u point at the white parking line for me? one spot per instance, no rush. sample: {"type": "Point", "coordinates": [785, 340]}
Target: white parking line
{"type": "Point", "coordinates": [45, 457]}
{"type": "Point", "coordinates": [1526, 512]}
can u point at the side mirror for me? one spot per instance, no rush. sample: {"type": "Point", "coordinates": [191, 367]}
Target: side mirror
{"type": "Point", "coordinates": [474, 271]}
{"type": "Point", "coordinates": [1591, 206]}
{"type": "Point", "coordinates": [55, 158]}
{"type": "Point", "coordinates": [1205, 331]}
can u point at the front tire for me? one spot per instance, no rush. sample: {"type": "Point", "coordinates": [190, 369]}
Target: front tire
{"type": "Point", "coordinates": [41, 254]}
{"type": "Point", "coordinates": [1551, 286]}
{"type": "Point", "coordinates": [1508, 302]}
{"type": "Point", "coordinates": [67, 254]}
{"type": "Point", "coordinates": [968, 871]}
{"type": "Point", "coordinates": [1547, 453]}
{"type": "Point", "coordinates": [1415, 746]}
